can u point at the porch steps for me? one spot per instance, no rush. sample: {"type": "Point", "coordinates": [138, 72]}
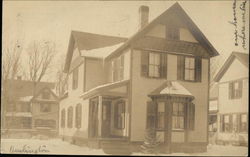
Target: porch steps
{"type": "Point", "coordinates": [116, 147]}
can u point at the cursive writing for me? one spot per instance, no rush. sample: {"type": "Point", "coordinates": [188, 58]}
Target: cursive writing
{"type": "Point", "coordinates": [242, 34]}
{"type": "Point", "coordinates": [28, 150]}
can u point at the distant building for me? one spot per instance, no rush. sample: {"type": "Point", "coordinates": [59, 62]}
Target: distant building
{"type": "Point", "coordinates": [29, 111]}
{"type": "Point", "coordinates": [158, 78]}
{"type": "Point", "coordinates": [231, 97]}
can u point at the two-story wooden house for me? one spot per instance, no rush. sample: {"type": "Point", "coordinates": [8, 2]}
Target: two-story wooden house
{"type": "Point", "coordinates": [232, 80]}
{"type": "Point", "coordinates": [158, 78]}
{"type": "Point", "coordinates": [30, 111]}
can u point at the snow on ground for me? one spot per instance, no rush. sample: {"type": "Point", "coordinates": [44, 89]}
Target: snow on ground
{"type": "Point", "coordinates": [57, 146]}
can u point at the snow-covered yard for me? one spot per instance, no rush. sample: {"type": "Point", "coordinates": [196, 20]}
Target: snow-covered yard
{"type": "Point", "coordinates": [57, 146]}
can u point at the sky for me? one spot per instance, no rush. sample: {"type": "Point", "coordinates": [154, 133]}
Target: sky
{"type": "Point", "coordinates": [27, 21]}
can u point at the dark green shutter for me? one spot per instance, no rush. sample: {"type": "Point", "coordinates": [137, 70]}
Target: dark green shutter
{"type": "Point", "coordinates": [230, 94]}
{"type": "Point", "coordinates": [240, 88]}
{"type": "Point", "coordinates": [198, 71]}
{"type": "Point", "coordinates": [144, 63]}
{"type": "Point", "coordinates": [180, 67]}
{"type": "Point", "coordinates": [163, 67]}
{"type": "Point", "coordinates": [221, 123]}
{"type": "Point", "coordinates": [230, 122]}
{"type": "Point", "coordinates": [151, 114]}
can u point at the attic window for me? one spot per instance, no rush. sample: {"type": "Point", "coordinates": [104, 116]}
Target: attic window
{"type": "Point", "coordinates": [172, 33]}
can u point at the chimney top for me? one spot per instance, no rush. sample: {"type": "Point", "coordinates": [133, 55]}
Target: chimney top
{"type": "Point", "coordinates": [143, 16]}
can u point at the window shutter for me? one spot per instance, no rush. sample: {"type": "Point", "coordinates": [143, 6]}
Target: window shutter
{"type": "Point", "coordinates": [238, 123]}
{"type": "Point", "coordinates": [180, 67]}
{"type": "Point", "coordinates": [230, 122]}
{"type": "Point", "coordinates": [151, 114]}
{"type": "Point", "coordinates": [230, 90]}
{"type": "Point", "coordinates": [144, 63]}
{"type": "Point", "coordinates": [198, 71]}
{"type": "Point", "coordinates": [163, 68]}
{"type": "Point", "coordinates": [221, 123]}
{"type": "Point", "coordinates": [240, 88]}
{"type": "Point", "coordinates": [191, 116]}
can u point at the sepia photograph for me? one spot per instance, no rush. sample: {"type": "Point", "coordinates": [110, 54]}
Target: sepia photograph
{"type": "Point", "coordinates": [158, 78]}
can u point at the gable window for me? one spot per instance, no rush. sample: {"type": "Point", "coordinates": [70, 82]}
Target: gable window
{"type": "Point", "coordinates": [153, 64]}
{"type": "Point", "coordinates": [45, 107]}
{"type": "Point", "coordinates": [118, 68]}
{"type": "Point", "coordinates": [178, 116]}
{"type": "Point", "coordinates": [189, 68]}
{"type": "Point", "coordinates": [119, 115]}
{"type": "Point", "coordinates": [161, 115]}
{"type": "Point", "coordinates": [243, 123]}
{"type": "Point", "coordinates": [78, 115]}
{"type": "Point", "coordinates": [46, 94]}
{"type": "Point", "coordinates": [70, 117]}
{"type": "Point", "coordinates": [172, 33]}
{"type": "Point", "coordinates": [235, 90]}
{"type": "Point", "coordinates": [63, 118]}
{"type": "Point", "coordinates": [75, 78]}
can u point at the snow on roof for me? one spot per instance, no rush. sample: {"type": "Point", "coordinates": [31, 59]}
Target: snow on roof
{"type": "Point", "coordinates": [100, 52]}
{"type": "Point", "coordinates": [25, 98]}
{"type": "Point", "coordinates": [171, 87]}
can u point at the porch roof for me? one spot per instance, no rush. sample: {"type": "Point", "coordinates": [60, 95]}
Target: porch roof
{"type": "Point", "coordinates": [171, 88]}
{"type": "Point", "coordinates": [109, 89]}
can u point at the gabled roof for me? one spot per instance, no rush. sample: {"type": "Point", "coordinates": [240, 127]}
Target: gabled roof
{"type": "Point", "coordinates": [242, 57]}
{"type": "Point", "coordinates": [171, 88]}
{"type": "Point", "coordinates": [24, 88]}
{"type": "Point", "coordinates": [177, 10]}
{"type": "Point", "coordinates": [89, 41]}
{"type": "Point", "coordinates": [41, 90]}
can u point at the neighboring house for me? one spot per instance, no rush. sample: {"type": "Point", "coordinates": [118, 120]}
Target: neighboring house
{"type": "Point", "coordinates": [30, 111]}
{"type": "Point", "coordinates": [213, 112]}
{"type": "Point", "coordinates": [233, 103]}
{"type": "Point", "coordinates": [158, 78]}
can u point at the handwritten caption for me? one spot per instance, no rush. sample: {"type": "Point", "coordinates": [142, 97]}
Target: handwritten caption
{"type": "Point", "coordinates": [26, 149]}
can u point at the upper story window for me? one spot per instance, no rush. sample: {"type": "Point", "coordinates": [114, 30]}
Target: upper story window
{"type": "Point", "coordinates": [70, 117]}
{"type": "Point", "coordinates": [235, 89]}
{"type": "Point", "coordinates": [45, 107]}
{"type": "Point", "coordinates": [75, 78]}
{"type": "Point", "coordinates": [189, 68]}
{"type": "Point", "coordinates": [153, 65]}
{"type": "Point", "coordinates": [118, 68]}
{"type": "Point", "coordinates": [78, 115]}
{"type": "Point", "coordinates": [45, 94]}
{"type": "Point", "coordinates": [172, 32]}
{"type": "Point", "coordinates": [63, 118]}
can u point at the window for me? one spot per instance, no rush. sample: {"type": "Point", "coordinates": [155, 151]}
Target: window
{"type": "Point", "coordinates": [118, 68]}
{"type": "Point", "coordinates": [235, 90]}
{"type": "Point", "coordinates": [119, 121]}
{"type": "Point", "coordinates": [78, 115]}
{"type": "Point", "coordinates": [243, 123]}
{"type": "Point", "coordinates": [46, 94]}
{"type": "Point", "coordinates": [172, 33]}
{"type": "Point", "coordinates": [70, 117]}
{"type": "Point", "coordinates": [151, 114]}
{"type": "Point", "coordinates": [154, 64]}
{"type": "Point", "coordinates": [75, 78]}
{"type": "Point", "coordinates": [161, 115]}
{"type": "Point", "coordinates": [226, 123]}
{"type": "Point", "coordinates": [63, 118]}
{"type": "Point", "coordinates": [189, 68]}
{"type": "Point", "coordinates": [178, 116]}
{"type": "Point", "coordinates": [45, 107]}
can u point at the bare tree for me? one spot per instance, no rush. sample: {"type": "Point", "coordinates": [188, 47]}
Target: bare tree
{"type": "Point", "coordinates": [11, 66]}
{"type": "Point", "coordinates": [61, 77]}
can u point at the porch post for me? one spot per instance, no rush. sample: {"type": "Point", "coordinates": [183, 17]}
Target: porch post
{"type": "Point", "coordinates": [100, 116]}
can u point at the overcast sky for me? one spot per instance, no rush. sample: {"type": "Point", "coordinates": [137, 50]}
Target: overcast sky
{"type": "Point", "coordinates": [54, 20]}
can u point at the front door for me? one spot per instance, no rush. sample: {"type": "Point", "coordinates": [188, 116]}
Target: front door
{"type": "Point", "coordinates": [106, 117]}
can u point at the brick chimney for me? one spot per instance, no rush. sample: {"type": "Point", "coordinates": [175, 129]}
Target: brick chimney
{"type": "Point", "coordinates": [143, 16]}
